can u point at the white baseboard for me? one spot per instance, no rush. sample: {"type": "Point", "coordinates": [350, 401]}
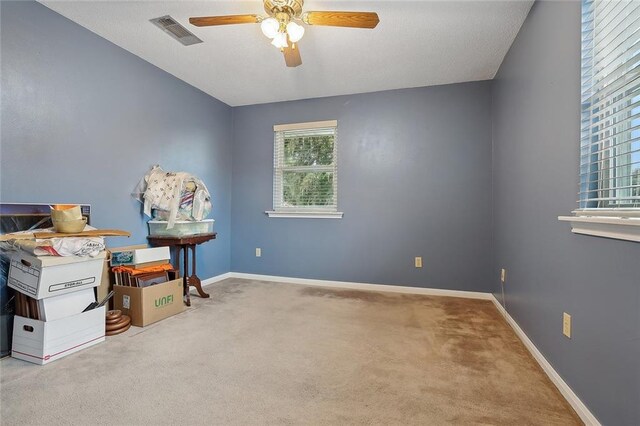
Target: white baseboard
{"type": "Point", "coordinates": [365, 286]}
{"type": "Point", "coordinates": [587, 417]}
{"type": "Point", "coordinates": [580, 408]}
{"type": "Point", "coordinates": [217, 278]}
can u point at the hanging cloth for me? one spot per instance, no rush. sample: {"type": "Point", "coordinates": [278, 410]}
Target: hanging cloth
{"type": "Point", "coordinates": [170, 192]}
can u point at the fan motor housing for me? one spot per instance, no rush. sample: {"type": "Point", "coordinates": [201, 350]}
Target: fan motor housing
{"type": "Point", "coordinates": [290, 7]}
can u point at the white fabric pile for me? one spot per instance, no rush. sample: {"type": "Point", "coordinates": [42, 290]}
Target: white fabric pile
{"type": "Point", "coordinates": [173, 196]}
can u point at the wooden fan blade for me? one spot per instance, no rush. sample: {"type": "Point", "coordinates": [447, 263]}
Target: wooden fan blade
{"type": "Point", "coordinates": [292, 56]}
{"type": "Point", "coordinates": [207, 21]}
{"type": "Point", "coordinates": [342, 19]}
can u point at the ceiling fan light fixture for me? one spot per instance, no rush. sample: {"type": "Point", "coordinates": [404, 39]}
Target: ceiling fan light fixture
{"type": "Point", "coordinates": [295, 32]}
{"type": "Point", "coordinates": [277, 25]}
{"type": "Point", "coordinates": [280, 40]}
{"type": "Point", "coordinates": [270, 27]}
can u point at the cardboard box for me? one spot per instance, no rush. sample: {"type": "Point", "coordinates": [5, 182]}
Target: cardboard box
{"type": "Point", "coordinates": [149, 304]}
{"type": "Point", "coordinates": [139, 254]}
{"type": "Point", "coordinates": [42, 342]}
{"type": "Point", "coordinates": [47, 276]}
{"type": "Point", "coordinates": [56, 307]}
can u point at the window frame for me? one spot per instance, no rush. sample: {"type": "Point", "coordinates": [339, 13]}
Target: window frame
{"type": "Point", "coordinates": [619, 223]}
{"type": "Point", "coordinates": [317, 212]}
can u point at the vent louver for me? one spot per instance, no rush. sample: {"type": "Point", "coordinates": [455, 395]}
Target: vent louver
{"type": "Point", "coordinates": [170, 26]}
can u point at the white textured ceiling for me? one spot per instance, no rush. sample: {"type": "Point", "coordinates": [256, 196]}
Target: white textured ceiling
{"type": "Point", "coordinates": [417, 43]}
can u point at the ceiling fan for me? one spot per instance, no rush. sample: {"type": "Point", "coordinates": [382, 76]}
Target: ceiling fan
{"type": "Point", "coordinates": [280, 24]}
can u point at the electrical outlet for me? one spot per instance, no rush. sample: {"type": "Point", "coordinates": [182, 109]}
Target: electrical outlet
{"type": "Point", "coordinates": [503, 275]}
{"type": "Point", "coordinates": [418, 262]}
{"type": "Point", "coordinates": [258, 252]}
{"type": "Point", "coordinates": [566, 324]}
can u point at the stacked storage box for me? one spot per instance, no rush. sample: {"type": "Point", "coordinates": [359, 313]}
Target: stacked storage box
{"type": "Point", "coordinates": [63, 288]}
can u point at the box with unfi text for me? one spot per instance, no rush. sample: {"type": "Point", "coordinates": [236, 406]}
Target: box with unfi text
{"type": "Point", "coordinates": [47, 276]}
{"type": "Point", "coordinates": [41, 342]}
{"type": "Point", "coordinates": [147, 305]}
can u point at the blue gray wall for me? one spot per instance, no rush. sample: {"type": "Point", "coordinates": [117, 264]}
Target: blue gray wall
{"type": "Point", "coordinates": [413, 180]}
{"type": "Point", "coordinates": [536, 124]}
{"type": "Point", "coordinates": [83, 120]}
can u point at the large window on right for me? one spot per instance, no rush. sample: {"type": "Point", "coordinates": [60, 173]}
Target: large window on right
{"type": "Point", "coordinates": [610, 136]}
{"type": "Point", "coordinates": [610, 123]}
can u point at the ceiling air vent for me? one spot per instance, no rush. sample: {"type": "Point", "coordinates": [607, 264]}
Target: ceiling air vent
{"type": "Point", "coordinates": [170, 26]}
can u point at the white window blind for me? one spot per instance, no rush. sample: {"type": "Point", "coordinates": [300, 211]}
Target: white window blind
{"type": "Point", "coordinates": [305, 174]}
{"type": "Point", "coordinates": [610, 122]}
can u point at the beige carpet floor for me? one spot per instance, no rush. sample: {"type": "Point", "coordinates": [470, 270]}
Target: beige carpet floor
{"type": "Point", "coordinates": [271, 353]}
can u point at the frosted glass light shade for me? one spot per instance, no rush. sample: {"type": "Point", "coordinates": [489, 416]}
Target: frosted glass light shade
{"type": "Point", "coordinates": [270, 27]}
{"type": "Point", "coordinates": [295, 32]}
{"type": "Point", "coordinates": [280, 41]}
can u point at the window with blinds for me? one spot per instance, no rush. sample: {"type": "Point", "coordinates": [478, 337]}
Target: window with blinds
{"type": "Point", "coordinates": [610, 122]}
{"type": "Point", "coordinates": [305, 175]}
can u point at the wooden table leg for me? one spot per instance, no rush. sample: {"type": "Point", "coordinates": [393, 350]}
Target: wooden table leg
{"type": "Point", "coordinates": [193, 279]}
{"type": "Point", "coordinates": [185, 280]}
{"type": "Point", "coordinates": [177, 253]}
{"type": "Point", "coordinates": [182, 273]}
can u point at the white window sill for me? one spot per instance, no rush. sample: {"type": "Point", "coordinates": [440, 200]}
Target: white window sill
{"type": "Point", "coordinates": [619, 228]}
{"type": "Point", "coordinates": [306, 215]}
